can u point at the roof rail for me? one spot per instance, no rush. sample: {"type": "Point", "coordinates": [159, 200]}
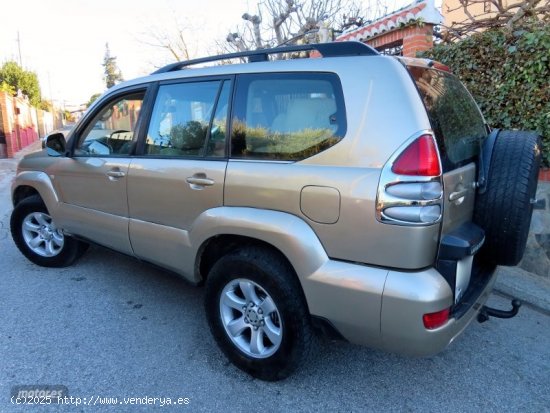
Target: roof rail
{"type": "Point", "coordinates": [332, 49]}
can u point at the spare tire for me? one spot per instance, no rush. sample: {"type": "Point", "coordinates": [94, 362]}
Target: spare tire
{"type": "Point", "coordinates": [504, 209]}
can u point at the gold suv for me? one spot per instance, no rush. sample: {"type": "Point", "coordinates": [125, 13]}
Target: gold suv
{"type": "Point", "coordinates": [359, 194]}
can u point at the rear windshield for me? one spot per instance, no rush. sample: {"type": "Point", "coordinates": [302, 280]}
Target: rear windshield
{"type": "Point", "coordinates": [455, 118]}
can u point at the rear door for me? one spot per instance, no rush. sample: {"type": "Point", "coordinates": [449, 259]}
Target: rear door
{"type": "Point", "coordinates": [180, 168]}
{"type": "Point", "coordinates": [460, 130]}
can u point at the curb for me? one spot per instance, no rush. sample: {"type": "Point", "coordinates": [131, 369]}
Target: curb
{"type": "Point", "coordinates": [531, 289]}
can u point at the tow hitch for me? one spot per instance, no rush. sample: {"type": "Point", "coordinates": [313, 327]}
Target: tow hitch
{"type": "Point", "coordinates": [487, 312]}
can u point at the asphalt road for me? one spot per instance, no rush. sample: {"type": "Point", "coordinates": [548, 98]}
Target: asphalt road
{"type": "Point", "coordinates": [111, 326]}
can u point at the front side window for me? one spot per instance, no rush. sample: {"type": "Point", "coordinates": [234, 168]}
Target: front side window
{"type": "Point", "coordinates": [187, 121]}
{"type": "Point", "coordinates": [287, 116]}
{"type": "Point", "coordinates": [111, 131]}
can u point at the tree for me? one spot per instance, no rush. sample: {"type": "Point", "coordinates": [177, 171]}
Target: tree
{"type": "Point", "coordinates": [111, 70]}
{"type": "Point", "coordinates": [46, 105]}
{"type": "Point", "coordinates": [276, 22]}
{"type": "Point", "coordinates": [68, 116]}
{"type": "Point", "coordinates": [172, 38]}
{"type": "Point", "coordinates": [14, 78]}
{"type": "Point", "coordinates": [92, 99]}
{"type": "Point", "coordinates": [279, 22]}
{"type": "Point", "coordinates": [507, 14]}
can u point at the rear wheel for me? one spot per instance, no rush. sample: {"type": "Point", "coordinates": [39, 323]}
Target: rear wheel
{"type": "Point", "coordinates": [257, 313]}
{"type": "Point", "coordinates": [504, 210]}
{"type": "Point", "coordinates": [38, 238]}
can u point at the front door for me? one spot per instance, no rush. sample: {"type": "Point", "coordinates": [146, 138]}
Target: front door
{"type": "Point", "coordinates": [92, 182]}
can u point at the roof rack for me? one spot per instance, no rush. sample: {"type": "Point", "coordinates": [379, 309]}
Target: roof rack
{"type": "Point", "coordinates": [333, 49]}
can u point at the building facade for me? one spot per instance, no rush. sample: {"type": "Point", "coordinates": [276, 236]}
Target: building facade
{"type": "Point", "coordinates": [404, 32]}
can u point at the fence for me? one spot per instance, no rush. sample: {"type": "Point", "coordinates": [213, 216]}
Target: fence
{"type": "Point", "coordinates": [20, 124]}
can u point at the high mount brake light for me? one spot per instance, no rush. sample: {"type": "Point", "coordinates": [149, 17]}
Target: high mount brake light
{"type": "Point", "coordinates": [441, 66]}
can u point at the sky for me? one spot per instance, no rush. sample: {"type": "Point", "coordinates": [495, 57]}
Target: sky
{"type": "Point", "coordinates": [63, 41]}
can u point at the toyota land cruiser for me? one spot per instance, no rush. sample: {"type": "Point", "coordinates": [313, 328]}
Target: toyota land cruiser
{"type": "Point", "coordinates": [361, 194]}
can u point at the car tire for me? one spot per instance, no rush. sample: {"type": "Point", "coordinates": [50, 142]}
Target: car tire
{"type": "Point", "coordinates": [37, 237]}
{"type": "Point", "coordinates": [504, 210]}
{"type": "Point", "coordinates": [257, 313]}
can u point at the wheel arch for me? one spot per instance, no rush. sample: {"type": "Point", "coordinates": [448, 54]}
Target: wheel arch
{"type": "Point", "coordinates": [225, 229]}
{"type": "Point", "coordinates": [29, 183]}
{"type": "Point", "coordinates": [22, 192]}
{"type": "Point", "coordinates": [219, 245]}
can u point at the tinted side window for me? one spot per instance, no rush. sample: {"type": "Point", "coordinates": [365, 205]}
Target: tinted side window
{"type": "Point", "coordinates": [287, 116]}
{"type": "Point", "coordinates": [218, 132]}
{"type": "Point", "coordinates": [182, 117]}
{"type": "Point", "coordinates": [111, 131]}
{"type": "Point", "coordinates": [455, 118]}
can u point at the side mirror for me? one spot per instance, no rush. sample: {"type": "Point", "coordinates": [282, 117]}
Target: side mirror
{"type": "Point", "coordinates": [55, 144]}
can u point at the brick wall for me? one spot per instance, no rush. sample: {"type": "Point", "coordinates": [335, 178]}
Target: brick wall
{"type": "Point", "coordinates": [417, 39]}
{"type": "Point", "coordinates": [414, 39]}
{"type": "Point", "coordinates": [385, 39]}
{"type": "Point", "coordinates": [6, 106]}
{"type": "Point", "coordinates": [19, 123]}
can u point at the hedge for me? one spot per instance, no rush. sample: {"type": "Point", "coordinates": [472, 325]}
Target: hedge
{"type": "Point", "coordinates": [508, 73]}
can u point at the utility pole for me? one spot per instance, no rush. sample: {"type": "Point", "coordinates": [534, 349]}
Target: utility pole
{"type": "Point", "coordinates": [19, 48]}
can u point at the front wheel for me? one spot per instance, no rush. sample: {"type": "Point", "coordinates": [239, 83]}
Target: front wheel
{"type": "Point", "coordinates": [257, 313]}
{"type": "Point", "coordinates": [38, 238]}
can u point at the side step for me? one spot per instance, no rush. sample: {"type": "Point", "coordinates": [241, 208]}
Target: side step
{"type": "Point", "coordinates": [487, 312]}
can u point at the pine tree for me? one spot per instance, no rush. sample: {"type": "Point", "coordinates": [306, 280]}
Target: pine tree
{"type": "Point", "coordinates": [111, 70]}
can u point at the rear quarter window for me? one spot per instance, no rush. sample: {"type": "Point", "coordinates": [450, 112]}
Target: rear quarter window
{"type": "Point", "coordinates": [287, 116]}
{"type": "Point", "coordinates": [457, 123]}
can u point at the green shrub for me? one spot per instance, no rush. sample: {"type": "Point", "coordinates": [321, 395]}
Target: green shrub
{"type": "Point", "coordinates": [508, 73]}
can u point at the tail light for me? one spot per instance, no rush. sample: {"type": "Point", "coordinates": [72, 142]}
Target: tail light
{"type": "Point", "coordinates": [435, 320]}
{"type": "Point", "coordinates": [420, 158]}
{"type": "Point", "coordinates": [410, 191]}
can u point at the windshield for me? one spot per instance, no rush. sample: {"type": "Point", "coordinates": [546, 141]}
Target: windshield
{"type": "Point", "coordinates": [457, 123]}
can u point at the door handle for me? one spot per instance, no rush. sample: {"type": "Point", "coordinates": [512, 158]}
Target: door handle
{"type": "Point", "coordinates": [199, 181]}
{"type": "Point", "coordinates": [116, 174]}
{"type": "Point", "coordinates": [458, 194]}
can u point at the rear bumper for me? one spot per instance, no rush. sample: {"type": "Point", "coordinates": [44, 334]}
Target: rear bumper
{"type": "Point", "coordinates": [402, 328]}
{"type": "Point", "coordinates": [384, 309]}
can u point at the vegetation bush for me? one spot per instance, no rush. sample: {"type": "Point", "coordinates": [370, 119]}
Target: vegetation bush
{"type": "Point", "coordinates": [14, 78]}
{"type": "Point", "coordinates": [508, 73]}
